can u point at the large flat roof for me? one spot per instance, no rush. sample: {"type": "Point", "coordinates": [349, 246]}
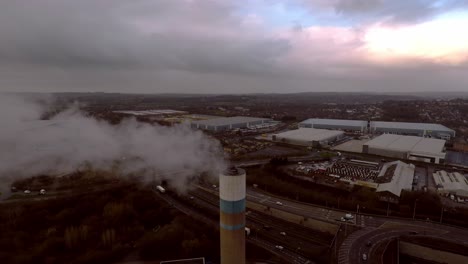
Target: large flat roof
{"type": "Point", "coordinates": [408, 144]}
{"type": "Point", "coordinates": [335, 122]}
{"type": "Point", "coordinates": [223, 121]}
{"type": "Point", "coordinates": [379, 124]}
{"type": "Point", "coordinates": [309, 134]}
{"type": "Point", "coordinates": [407, 125]}
{"type": "Point", "coordinates": [150, 112]}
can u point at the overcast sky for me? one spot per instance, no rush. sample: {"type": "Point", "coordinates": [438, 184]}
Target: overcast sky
{"type": "Point", "coordinates": [233, 46]}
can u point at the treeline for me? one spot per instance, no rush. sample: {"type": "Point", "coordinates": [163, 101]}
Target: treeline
{"type": "Point", "coordinates": [101, 227]}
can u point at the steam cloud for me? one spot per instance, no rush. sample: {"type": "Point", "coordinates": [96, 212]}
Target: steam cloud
{"type": "Point", "coordinates": [29, 146]}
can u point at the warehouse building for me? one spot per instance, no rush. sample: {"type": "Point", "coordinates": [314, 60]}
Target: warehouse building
{"type": "Point", "coordinates": [393, 178]}
{"type": "Point", "coordinates": [451, 183]}
{"type": "Point", "coordinates": [309, 137]}
{"type": "Point", "coordinates": [413, 129]}
{"type": "Point", "coordinates": [407, 147]}
{"type": "Point", "coordinates": [381, 127]}
{"type": "Point", "coordinates": [336, 124]}
{"type": "Point", "coordinates": [228, 123]}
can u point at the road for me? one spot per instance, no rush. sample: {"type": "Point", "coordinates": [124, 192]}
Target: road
{"type": "Point", "coordinates": [267, 242]}
{"type": "Point", "coordinates": [297, 239]}
{"type": "Point", "coordinates": [265, 161]}
{"type": "Point", "coordinates": [304, 209]}
{"type": "Point", "coordinates": [376, 229]}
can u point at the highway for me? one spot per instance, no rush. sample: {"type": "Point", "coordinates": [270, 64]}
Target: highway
{"type": "Point", "coordinates": [302, 209]}
{"type": "Point", "coordinates": [266, 161]}
{"type": "Point", "coordinates": [376, 229]}
{"type": "Point", "coordinates": [285, 254]}
{"type": "Point", "coordinates": [297, 239]}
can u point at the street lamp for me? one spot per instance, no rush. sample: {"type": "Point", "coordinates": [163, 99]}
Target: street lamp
{"type": "Point", "coordinates": [414, 209]}
{"type": "Point", "coordinates": [442, 213]}
{"type": "Point", "coordinates": [388, 206]}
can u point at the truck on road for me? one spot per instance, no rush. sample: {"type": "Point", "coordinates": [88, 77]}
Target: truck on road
{"type": "Point", "coordinates": [160, 189]}
{"type": "Point", "coordinates": [247, 231]}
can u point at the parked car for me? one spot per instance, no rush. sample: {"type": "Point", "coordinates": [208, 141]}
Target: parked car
{"type": "Point", "coordinates": [349, 216]}
{"type": "Point", "coordinates": [283, 233]}
{"type": "Point", "coordinates": [279, 247]}
{"type": "Point", "coordinates": [279, 203]}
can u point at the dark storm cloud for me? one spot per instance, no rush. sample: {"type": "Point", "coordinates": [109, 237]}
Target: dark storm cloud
{"type": "Point", "coordinates": [210, 46]}
{"type": "Point", "coordinates": [200, 36]}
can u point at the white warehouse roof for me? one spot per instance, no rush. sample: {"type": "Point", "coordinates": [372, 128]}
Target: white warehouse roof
{"type": "Point", "coordinates": [411, 144]}
{"type": "Point", "coordinates": [309, 134]}
{"type": "Point", "coordinates": [224, 121]}
{"type": "Point", "coordinates": [453, 182]}
{"type": "Point", "coordinates": [414, 126]}
{"type": "Point", "coordinates": [402, 177]}
{"type": "Point", "coordinates": [335, 122]}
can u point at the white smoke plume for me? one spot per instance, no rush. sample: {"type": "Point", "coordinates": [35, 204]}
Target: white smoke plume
{"type": "Point", "coordinates": [29, 146]}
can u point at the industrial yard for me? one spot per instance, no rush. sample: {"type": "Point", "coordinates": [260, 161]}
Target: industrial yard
{"type": "Point", "coordinates": [315, 189]}
{"type": "Point", "coordinates": [234, 132]}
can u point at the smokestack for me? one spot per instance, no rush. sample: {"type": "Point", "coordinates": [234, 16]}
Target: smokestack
{"type": "Point", "coordinates": [232, 216]}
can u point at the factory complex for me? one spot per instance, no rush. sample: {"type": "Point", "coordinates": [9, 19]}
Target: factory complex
{"type": "Point", "coordinates": [387, 179]}
{"type": "Point", "coordinates": [381, 127]}
{"type": "Point", "coordinates": [407, 147]}
{"type": "Point", "coordinates": [229, 123]}
{"type": "Point", "coordinates": [309, 137]}
{"type": "Point", "coordinates": [451, 183]}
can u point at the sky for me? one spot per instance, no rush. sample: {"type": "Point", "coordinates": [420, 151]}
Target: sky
{"type": "Point", "coordinates": [232, 46]}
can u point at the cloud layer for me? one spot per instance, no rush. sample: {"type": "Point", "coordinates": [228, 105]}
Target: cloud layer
{"type": "Point", "coordinates": [221, 46]}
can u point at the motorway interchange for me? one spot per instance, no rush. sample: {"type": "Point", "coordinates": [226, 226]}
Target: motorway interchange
{"type": "Point", "coordinates": [299, 244]}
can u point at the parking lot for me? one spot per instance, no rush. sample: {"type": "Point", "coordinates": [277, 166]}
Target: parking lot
{"type": "Point", "coordinates": [420, 176]}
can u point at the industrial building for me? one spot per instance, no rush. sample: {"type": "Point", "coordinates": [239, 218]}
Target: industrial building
{"type": "Point", "coordinates": [393, 178]}
{"type": "Point", "coordinates": [381, 127]}
{"type": "Point", "coordinates": [407, 147]}
{"type": "Point", "coordinates": [157, 112]}
{"type": "Point", "coordinates": [336, 124]}
{"type": "Point", "coordinates": [309, 137]}
{"type": "Point", "coordinates": [228, 123]}
{"type": "Point", "coordinates": [451, 183]}
{"type": "Point", "coordinates": [413, 129]}
{"type": "Point", "coordinates": [232, 193]}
